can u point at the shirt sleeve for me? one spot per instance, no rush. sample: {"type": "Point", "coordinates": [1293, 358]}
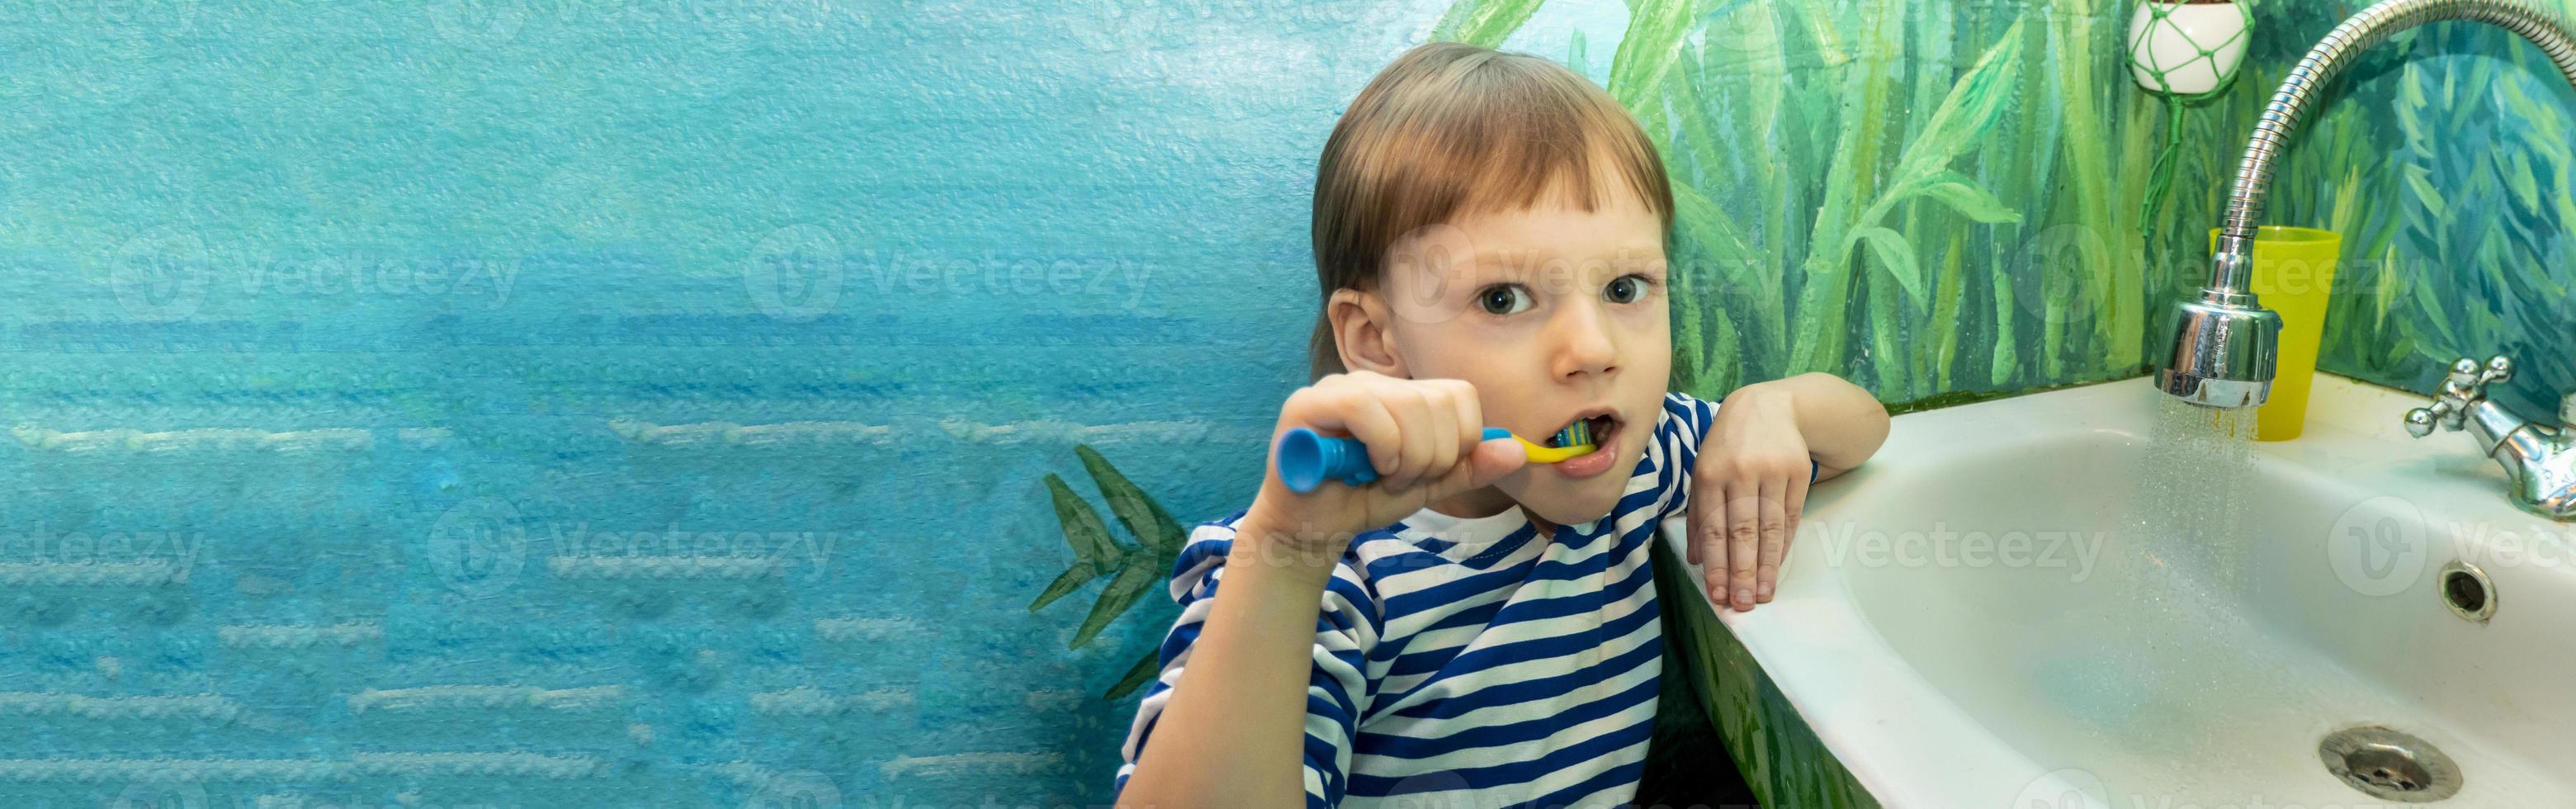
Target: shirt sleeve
{"type": "Point", "coordinates": [1337, 691]}
{"type": "Point", "coordinates": [1675, 447]}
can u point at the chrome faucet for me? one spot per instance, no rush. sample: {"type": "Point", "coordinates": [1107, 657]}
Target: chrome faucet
{"type": "Point", "coordinates": [2222, 344]}
{"type": "Point", "coordinates": [2541, 461]}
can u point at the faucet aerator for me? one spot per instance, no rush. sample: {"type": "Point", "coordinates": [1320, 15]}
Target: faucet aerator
{"type": "Point", "coordinates": [2222, 351]}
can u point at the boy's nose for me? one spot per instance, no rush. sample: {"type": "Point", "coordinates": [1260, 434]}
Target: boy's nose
{"type": "Point", "coordinates": [1584, 344]}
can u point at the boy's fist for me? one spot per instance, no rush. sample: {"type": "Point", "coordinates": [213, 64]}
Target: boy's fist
{"type": "Point", "coordinates": [1424, 438]}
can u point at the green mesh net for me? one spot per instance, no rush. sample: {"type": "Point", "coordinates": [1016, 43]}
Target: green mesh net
{"type": "Point", "coordinates": [2142, 59]}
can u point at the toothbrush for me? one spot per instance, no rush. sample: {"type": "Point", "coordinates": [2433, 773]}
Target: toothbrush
{"type": "Point", "coordinates": [1308, 458]}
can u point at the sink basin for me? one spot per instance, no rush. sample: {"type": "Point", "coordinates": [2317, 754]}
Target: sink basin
{"type": "Point", "coordinates": [1998, 611]}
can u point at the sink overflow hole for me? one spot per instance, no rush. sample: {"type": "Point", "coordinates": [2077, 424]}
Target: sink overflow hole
{"type": "Point", "coordinates": [2467, 591]}
{"type": "Point", "coordinates": [2464, 592]}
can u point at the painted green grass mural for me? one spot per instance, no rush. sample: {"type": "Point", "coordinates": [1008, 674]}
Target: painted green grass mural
{"type": "Point", "coordinates": [1928, 199]}
{"type": "Point", "coordinates": [1940, 200]}
{"type": "Point", "coordinates": [2448, 163]}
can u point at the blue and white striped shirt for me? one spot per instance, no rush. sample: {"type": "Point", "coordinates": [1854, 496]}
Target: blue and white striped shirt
{"type": "Point", "coordinates": [1470, 662]}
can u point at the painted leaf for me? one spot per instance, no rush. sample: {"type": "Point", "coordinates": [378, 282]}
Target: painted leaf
{"type": "Point", "coordinates": [1823, 39]}
{"type": "Point", "coordinates": [1485, 22]}
{"type": "Point", "coordinates": [2418, 182]}
{"type": "Point", "coordinates": [1958, 193]}
{"type": "Point", "coordinates": [1133, 580]}
{"type": "Point", "coordinates": [1897, 255]}
{"type": "Point", "coordinates": [1698, 216]}
{"type": "Point", "coordinates": [1082, 526]}
{"type": "Point", "coordinates": [1656, 29]}
{"type": "Point", "coordinates": [1145, 519]}
{"type": "Point", "coordinates": [1973, 106]}
{"type": "Point", "coordinates": [1072, 578]}
{"type": "Point", "coordinates": [2439, 317]}
{"type": "Point", "coordinates": [2516, 169]}
{"type": "Point", "coordinates": [1145, 670]}
{"type": "Point", "coordinates": [1578, 53]}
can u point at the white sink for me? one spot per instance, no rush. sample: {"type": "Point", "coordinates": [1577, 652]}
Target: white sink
{"type": "Point", "coordinates": [2103, 662]}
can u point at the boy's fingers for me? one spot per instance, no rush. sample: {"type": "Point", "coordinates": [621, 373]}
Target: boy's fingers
{"type": "Point", "coordinates": [1743, 543]}
{"type": "Point", "coordinates": [1792, 508]}
{"type": "Point", "coordinates": [1442, 416]}
{"type": "Point", "coordinates": [1774, 541]}
{"type": "Point", "coordinates": [1708, 522]}
{"type": "Point", "coordinates": [1712, 550]}
{"type": "Point", "coordinates": [1368, 420]}
{"type": "Point", "coordinates": [1471, 417]}
{"type": "Point", "coordinates": [1494, 459]}
{"type": "Point", "coordinates": [1413, 446]}
{"type": "Point", "coordinates": [1488, 462]}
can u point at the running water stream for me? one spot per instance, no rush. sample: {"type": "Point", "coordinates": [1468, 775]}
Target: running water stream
{"type": "Point", "coordinates": [2191, 491]}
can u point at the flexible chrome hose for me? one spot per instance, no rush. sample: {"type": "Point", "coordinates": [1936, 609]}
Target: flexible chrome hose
{"type": "Point", "coordinates": [2370, 27]}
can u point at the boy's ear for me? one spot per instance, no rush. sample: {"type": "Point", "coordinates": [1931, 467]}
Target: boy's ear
{"type": "Point", "coordinates": [1360, 321]}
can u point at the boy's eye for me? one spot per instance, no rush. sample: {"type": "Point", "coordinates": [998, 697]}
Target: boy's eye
{"type": "Point", "coordinates": [1503, 299]}
{"type": "Point", "coordinates": [1625, 289]}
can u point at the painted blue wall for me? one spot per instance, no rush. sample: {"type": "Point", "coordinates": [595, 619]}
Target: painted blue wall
{"type": "Point", "coordinates": [529, 403]}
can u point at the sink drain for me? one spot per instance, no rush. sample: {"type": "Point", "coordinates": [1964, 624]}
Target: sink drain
{"type": "Point", "coordinates": [2389, 765]}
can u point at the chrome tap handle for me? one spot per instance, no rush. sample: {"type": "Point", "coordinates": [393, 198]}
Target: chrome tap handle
{"type": "Point", "coordinates": [2465, 386]}
{"type": "Point", "coordinates": [2421, 421]}
{"type": "Point", "coordinates": [2469, 380]}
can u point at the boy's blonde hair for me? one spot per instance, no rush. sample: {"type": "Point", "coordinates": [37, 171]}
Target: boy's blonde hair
{"type": "Point", "coordinates": [1450, 129]}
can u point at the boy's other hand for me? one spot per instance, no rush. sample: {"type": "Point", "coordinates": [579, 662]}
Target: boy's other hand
{"type": "Point", "coordinates": [1747, 488]}
{"type": "Point", "coordinates": [1424, 437]}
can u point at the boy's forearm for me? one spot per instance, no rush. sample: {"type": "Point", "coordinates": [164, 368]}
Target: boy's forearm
{"type": "Point", "coordinates": [1234, 731]}
{"type": "Point", "coordinates": [1841, 422]}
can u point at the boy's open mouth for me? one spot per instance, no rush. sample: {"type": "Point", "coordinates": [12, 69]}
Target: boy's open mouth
{"type": "Point", "coordinates": [1595, 429]}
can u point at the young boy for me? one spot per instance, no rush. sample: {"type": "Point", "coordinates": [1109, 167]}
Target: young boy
{"type": "Point", "coordinates": [1472, 630]}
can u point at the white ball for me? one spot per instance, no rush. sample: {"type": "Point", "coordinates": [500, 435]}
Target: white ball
{"type": "Point", "coordinates": [2176, 43]}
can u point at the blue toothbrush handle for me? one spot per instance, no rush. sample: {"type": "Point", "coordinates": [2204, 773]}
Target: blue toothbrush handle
{"type": "Point", "coordinates": [1308, 458]}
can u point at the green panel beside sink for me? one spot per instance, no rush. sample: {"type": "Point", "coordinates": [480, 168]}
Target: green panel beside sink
{"type": "Point", "coordinates": [1782, 759]}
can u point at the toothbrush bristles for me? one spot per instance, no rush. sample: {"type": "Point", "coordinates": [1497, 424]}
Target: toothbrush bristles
{"type": "Point", "coordinates": [1577, 434]}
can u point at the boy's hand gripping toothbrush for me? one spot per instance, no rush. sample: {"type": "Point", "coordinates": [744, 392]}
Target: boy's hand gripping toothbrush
{"type": "Point", "coordinates": [1308, 458]}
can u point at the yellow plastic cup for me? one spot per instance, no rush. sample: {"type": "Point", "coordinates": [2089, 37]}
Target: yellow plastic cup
{"type": "Point", "coordinates": [2293, 271]}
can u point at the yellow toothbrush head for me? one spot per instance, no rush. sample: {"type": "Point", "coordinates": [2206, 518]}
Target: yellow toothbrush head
{"type": "Point", "coordinates": [1572, 442]}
